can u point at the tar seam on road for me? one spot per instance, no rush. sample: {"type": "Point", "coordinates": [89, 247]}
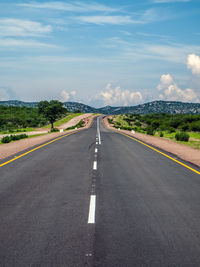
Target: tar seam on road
{"type": "Point", "coordinates": [158, 151]}
{"type": "Point", "coordinates": [24, 154]}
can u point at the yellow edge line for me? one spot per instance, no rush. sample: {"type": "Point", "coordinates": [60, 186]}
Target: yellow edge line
{"type": "Point", "coordinates": [22, 155]}
{"type": "Point", "coordinates": [179, 162]}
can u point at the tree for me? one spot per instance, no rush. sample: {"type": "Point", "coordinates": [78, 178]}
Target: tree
{"type": "Point", "coordinates": [51, 110]}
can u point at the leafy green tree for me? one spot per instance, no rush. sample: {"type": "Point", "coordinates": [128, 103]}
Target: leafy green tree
{"type": "Point", "coordinates": [51, 110]}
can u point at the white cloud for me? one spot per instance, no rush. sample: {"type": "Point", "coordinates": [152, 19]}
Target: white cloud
{"type": "Point", "coordinates": [100, 20]}
{"type": "Point", "coordinates": [165, 81]}
{"type": "Point", "coordinates": [147, 16]}
{"type": "Point", "coordinates": [117, 96]}
{"type": "Point", "coordinates": [16, 43]}
{"type": "Point", "coordinates": [67, 96]}
{"type": "Point", "coordinates": [7, 93]}
{"type": "Point", "coordinates": [74, 6]}
{"type": "Point", "coordinates": [170, 91]}
{"type": "Point", "coordinates": [193, 63]}
{"type": "Point", "coordinates": [137, 50]}
{"type": "Point", "coordinates": [169, 1]}
{"type": "Point", "coordinates": [21, 28]}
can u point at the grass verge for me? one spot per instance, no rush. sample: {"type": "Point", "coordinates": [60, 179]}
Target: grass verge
{"type": "Point", "coordinates": [64, 120]}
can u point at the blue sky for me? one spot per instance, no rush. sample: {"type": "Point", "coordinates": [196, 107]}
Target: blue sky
{"type": "Point", "coordinates": [100, 52]}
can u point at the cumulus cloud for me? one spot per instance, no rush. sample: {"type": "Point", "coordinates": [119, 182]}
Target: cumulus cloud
{"type": "Point", "coordinates": [117, 96]}
{"type": "Point", "coordinates": [169, 90]}
{"type": "Point", "coordinates": [165, 81]}
{"type": "Point", "coordinates": [193, 63]}
{"type": "Point", "coordinates": [67, 96]}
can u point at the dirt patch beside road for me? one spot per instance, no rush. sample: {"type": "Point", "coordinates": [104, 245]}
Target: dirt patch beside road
{"type": "Point", "coordinates": [74, 121]}
{"type": "Point", "coordinates": [7, 150]}
{"type": "Point", "coordinates": [182, 151]}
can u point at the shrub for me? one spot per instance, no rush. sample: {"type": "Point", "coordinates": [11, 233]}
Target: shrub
{"type": "Point", "coordinates": [6, 139]}
{"type": "Point", "coordinates": [161, 134]}
{"type": "Point", "coordinates": [126, 128]}
{"type": "Point", "coordinates": [110, 120]}
{"type": "Point", "coordinates": [182, 136]}
{"type": "Point", "coordinates": [54, 130]}
{"type": "Point", "coordinates": [78, 125]}
{"type": "Point", "coordinates": [171, 130]}
{"type": "Point", "coordinates": [184, 127]}
{"type": "Point", "coordinates": [14, 137]}
{"type": "Point", "coordinates": [22, 136]}
{"type": "Point", "coordinates": [150, 130]}
{"type": "Point", "coordinates": [138, 124]}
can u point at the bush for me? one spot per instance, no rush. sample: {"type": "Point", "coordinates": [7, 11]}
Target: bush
{"type": "Point", "coordinates": [182, 136]}
{"type": "Point", "coordinates": [171, 130]}
{"type": "Point", "coordinates": [6, 139]}
{"type": "Point", "coordinates": [161, 134]}
{"type": "Point", "coordinates": [138, 124]}
{"type": "Point", "coordinates": [78, 125]}
{"type": "Point", "coordinates": [54, 130]}
{"type": "Point", "coordinates": [110, 121]}
{"type": "Point", "coordinates": [150, 130]}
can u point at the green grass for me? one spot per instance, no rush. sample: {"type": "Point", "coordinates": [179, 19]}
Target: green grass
{"type": "Point", "coordinates": [35, 135]}
{"type": "Point", "coordinates": [20, 130]}
{"type": "Point", "coordinates": [119, 119]}
{"type": "Point", "coordinates": [191, 143]}
{"type": "Point", "coordinates": [30, 136]}
{"type": "Point", "coordinates": [167, 135]}
{"type": "Point", "coordinates": [64, 120]}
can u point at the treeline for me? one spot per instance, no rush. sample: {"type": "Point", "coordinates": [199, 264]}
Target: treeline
{"type": "Point", "coordinates": [162, 122]}
{"type": "Point", "coordinates": [14, 117]}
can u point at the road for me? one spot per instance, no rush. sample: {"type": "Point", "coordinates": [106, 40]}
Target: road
{"type": "Point", "coordinates": [98, 198]}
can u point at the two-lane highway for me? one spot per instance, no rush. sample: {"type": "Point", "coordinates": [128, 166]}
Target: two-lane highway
{"type": "Point", "coordinates": [98, 198]}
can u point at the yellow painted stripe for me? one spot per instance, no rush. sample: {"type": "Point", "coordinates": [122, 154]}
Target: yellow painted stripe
{"type": "Point", "coordinates": [24, 154]}
{"type": "Point", "coordinates": [177, 161]}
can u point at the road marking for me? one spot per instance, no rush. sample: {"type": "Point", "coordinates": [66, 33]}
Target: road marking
{"type": "Point", "coordinates": [95, 165]}
{"type": "Point", "coordinates": [24, 154]}
{"type": "Point", "coordinates": [96, 150]}
{"type": "Point", "coordinates": [96, 143]}
{"type": "Point", "coordinates": [98, 131]}
{"type": "Point", "coordinates": [91, 216]}
{"type": "Point", "coordinates": [158, 151]}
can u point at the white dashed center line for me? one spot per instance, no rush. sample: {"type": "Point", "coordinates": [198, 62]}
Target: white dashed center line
{"type": "Point", "coordinates": [95, 165]}
{"type": "Point", "coordinates": [91, 216]}
{"type": "Point", "coordinates": [98, 131]}
{"type": "Point", "coordinates": [96, 150]}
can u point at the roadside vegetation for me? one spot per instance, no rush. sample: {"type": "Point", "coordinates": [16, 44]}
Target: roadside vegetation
{"type": "Point", "coordinates": [78, 125]}
{"type": "Point", "coordinates": [182, 128]}
{"type": "Point", "coordinates": [15, 120]}
{"type": "Point", "coordinates": [64, 120]}
{"type": "Point", "coordinates": [8, 139]}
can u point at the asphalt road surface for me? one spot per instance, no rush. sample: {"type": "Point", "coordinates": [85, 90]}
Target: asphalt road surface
{"type": "Point", "coordinates": [98, 198]}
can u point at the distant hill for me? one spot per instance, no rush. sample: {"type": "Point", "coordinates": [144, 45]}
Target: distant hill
{"type": "Point", "coordinates": [151, 107]}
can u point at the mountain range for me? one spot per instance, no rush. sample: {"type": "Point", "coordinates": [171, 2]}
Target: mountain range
{"type": "Point", "coordinates": [151, 107]}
